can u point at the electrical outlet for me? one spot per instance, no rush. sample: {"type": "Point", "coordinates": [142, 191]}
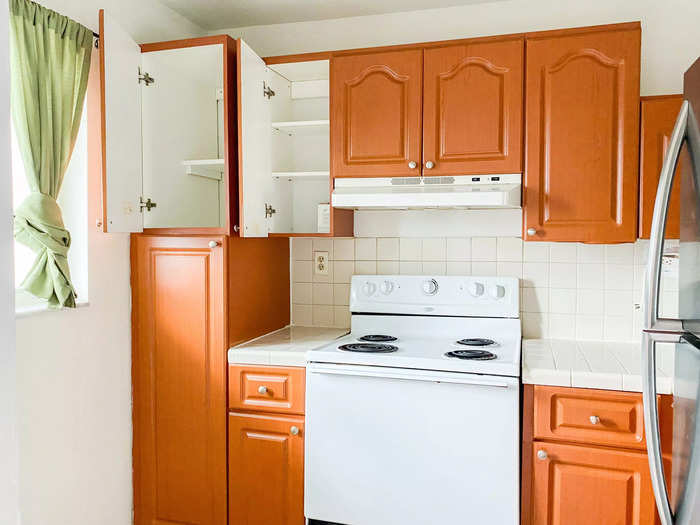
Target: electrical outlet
{"type": "Point", "coordinates": [321, 263]}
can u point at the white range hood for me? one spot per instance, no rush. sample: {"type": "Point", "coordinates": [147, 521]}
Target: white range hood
{"type": "Point", "coordinates": [461, 192]}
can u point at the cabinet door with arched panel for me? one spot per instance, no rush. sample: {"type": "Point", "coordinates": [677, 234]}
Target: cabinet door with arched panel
{"type": "Point", "coordinates": [376, 114]}
{"type": "Point", "coordinates": [582, 136]}
{"type": "Point", "coordinates": [472, 107]}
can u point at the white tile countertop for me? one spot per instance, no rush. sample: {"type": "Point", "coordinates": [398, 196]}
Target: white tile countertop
{"type": "Point", "coordinates": [591, 364]}
{"type": "Point", "coordinates": [284, 347]}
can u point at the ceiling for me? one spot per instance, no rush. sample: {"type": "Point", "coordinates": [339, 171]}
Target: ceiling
{"type": "Point", "coordinates": [225, 14]}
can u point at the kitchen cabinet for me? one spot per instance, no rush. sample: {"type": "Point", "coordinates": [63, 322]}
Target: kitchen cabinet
{"type": "Point", "coordinates": [168, 164]}
{"type": "Point", "coordinates": [193, 297]}
{"type": "Point", "coordinates": [584, 456]}
{"type": "Point", "coordinates": [284, 162]}
{"type": "Point", "coordinates": [449, 109]}
{"type": "Point", "coordinates": [248, 152]}
{"type": "Point", "coordinates": [658, 116]}
{"type": "Point", "coordinates": [472, 107]}
{"type": "Point", "coordinates": [376, 101]}
{"type": "Point", "coordinates": [266, 445]}
{"type": "Point", "coordinates": [582, 137]}
{"type": "Point", "coordinates": [179, 380]}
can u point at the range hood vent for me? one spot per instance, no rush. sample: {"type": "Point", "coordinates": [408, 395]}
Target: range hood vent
{"type": "Point", "coordinates": [458, 192]}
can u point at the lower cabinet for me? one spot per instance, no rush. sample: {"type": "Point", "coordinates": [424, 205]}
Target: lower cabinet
{"type": "Point", "coordinates": [266, 445]}
{"type": "Point", "coordinates": [579, 485]}
{"type": "Point", "coordinates": [584, 457]}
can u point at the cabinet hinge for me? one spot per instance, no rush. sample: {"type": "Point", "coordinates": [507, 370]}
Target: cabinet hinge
{"type": "Point", "coordinates": [145, 78]}
{"type": "Point", "coordinates": [148, 204]}
{"type": "Point", "coordinates": [269, 211]}
{"type": "Point", "coordinates": [267, 91]}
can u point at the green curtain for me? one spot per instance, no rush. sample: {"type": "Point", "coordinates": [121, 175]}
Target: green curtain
{"type": "Point", "coordinates": [49, 61]}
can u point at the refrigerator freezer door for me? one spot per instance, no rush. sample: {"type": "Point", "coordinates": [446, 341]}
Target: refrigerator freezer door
{"type": "Point", "coordinates": [689, 252]}
{"type": "Point", "coordinates": [685, 496]}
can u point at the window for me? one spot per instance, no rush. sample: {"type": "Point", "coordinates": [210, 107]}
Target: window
{"type": "Point", "coordinates": [73, 201]}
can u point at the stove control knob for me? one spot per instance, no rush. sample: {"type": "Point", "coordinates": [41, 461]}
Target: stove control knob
{"type": "Point", "coordinates": [430, 287]}
{"type": "Point", "coordinates": [369, 288]}
{"type": "Point", "coordinates": [497, 292]}
{"type": "Point", "coordinates": [476, 289]}
{"type": "Point", "coordinates": [386, 287]}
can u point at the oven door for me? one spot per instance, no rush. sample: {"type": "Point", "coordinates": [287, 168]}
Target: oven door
{"type": "Point", "coordinates": [396, 446]}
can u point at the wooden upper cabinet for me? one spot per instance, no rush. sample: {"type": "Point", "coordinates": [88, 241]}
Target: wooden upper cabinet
{"type": "Point", "coordinates": [179, 380]}
{"type": "Point", "coordinates": [582, 138]}
{"type": "Point", "coordinates": [576, 485]}
{"type": "Point", "coordinates": [376, 114]}
{"type": "Point", "coordinates": [472, 108]}
{"type": "Point", "coordinates": [658, 118]}
{"type": "Point", "coordinates": [266, 469]}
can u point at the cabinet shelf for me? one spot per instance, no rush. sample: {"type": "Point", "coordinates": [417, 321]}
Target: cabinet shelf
{"type": "Point", "coordinates": [306, 175]}
{"type": "Point", "coordinates": [301, 127]}
{"type": "Point", "coordinates": [207, 168]}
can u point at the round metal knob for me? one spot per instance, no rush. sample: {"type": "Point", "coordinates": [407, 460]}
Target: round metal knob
{"type": "Point", "coordinates": [541, 454]}
{"type": "Point", "coordinates": [429, 165]}
{"type": "Point", "coordinates": [262, 390]}
{"type": "Point", "coordinates": [412, 164]}
{"type": "Point", "coordinates": [430, 287]}
{"type": "Point", "coordinates": [531, 231]}
{"type": "Point", "coordinates": [294, 431]}
{"type": "Point", "coordinates": [214, 244]}
{"type": "Point", "coordinates": [594, 420]}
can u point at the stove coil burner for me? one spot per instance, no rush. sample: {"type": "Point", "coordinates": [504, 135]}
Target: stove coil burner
{"type": "Point", "coordinates": [370, 348]}
{"type": "Point", "coordinates": [476, 341]}
{"type": "Point", "coordinates": [377, 338]}
{"type": "Point", "coordinates": [474, 355]}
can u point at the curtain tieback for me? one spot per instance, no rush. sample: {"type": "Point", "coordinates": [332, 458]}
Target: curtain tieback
{"type": "Point", "coordinates": [39, 225]}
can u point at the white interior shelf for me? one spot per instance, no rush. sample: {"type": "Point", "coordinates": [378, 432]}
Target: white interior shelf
{"type": "Point", "coordinates": [207, 168]}
{"type": "Point", "coordinates": [308, 175]}
{"type": "Point", "coordinates": [298, 127]}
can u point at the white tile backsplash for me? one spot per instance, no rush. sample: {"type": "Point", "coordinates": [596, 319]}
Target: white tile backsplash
{"type": "Point", "coordinates": [568, 290]}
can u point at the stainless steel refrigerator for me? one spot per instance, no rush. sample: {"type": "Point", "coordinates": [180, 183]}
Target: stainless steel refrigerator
{"type": "Point", "coordinates": [682, 505]}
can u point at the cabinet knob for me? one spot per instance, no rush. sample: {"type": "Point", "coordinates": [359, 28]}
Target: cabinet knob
{"type": "Point", "coordinates": [594, 420]}
{"type": "Point", "coordinates": [294, 431]}
{"type": "Point", "coordinates": [412, 164]}
{"type": "Point", "coordinates": [262, 390]}
{"type": "Point", "coordinates": [531, 231]}
{"type": "Point", "coordinates": [541, 454]}
{"type": "Point", "coordinates": [429, 165]}
{"type": "Point", "coordinates": [214, 244]}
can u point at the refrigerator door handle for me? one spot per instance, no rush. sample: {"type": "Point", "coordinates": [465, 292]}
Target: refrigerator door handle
{"type": "Point", "coordinates": [658, 225]}
{"type": "Point", "coordinates": [651, 422]}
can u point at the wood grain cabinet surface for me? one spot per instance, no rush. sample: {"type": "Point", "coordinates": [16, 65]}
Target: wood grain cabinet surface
{"type": "Point", "coordinates": [658, 118]}
{"type": "Point", "coordinates": [582, 137]}
{"type": "Point", "coordinates": [267, 388]}
{"type": "Point", "coordinates": [266, 469]}
{"type": "Point", "coordinates": [472, 107]}
{"type": "Point", "coordinates": [179, 381]}
{"type": "Point", "coordinates": [376, 114]}
{"type": "Point", "coordinates": [584, 457]}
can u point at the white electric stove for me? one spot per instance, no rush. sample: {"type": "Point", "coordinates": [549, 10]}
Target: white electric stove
{"type": "Point", "coordinates": [414, 417]}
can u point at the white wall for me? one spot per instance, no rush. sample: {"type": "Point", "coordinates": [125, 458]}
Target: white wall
{"type": "Point", "coordinates": [669, 30]}
{"type": "Point", "coordinates": [74, 380]}
{"type": "Point", "coordinates": [9, 506]}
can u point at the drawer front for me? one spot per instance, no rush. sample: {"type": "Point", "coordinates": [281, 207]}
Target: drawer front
{"type": "Point", "coordinates": [267, 388]}
{"type": "Point", "coordinates": [597, 417]}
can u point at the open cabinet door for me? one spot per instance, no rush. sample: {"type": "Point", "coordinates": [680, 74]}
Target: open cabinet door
{"type": "Point", "coordinates": [120, 58]}
{"type": "Point", "coordinates": [255, 176]}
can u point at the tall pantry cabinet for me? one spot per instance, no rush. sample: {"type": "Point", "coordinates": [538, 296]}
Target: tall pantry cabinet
{"type": "Point", "coordinates": [170, 177]}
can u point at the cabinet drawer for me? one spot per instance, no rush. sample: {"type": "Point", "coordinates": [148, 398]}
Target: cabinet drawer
{"type": "Point", "coordinates": [597, 417]}
{"type": "Point", "coordinates": [267, 388]}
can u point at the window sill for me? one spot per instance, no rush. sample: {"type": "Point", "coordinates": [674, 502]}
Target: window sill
{"type": "Point", "coordinates": [29, 308]}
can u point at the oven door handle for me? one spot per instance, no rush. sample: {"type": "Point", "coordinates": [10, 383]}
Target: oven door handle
{"type": "Point", "coordinates": [409, 377]}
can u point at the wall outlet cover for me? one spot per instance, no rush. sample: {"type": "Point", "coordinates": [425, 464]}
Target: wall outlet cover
{"type": "Point", "coordinates": [321, 263]}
